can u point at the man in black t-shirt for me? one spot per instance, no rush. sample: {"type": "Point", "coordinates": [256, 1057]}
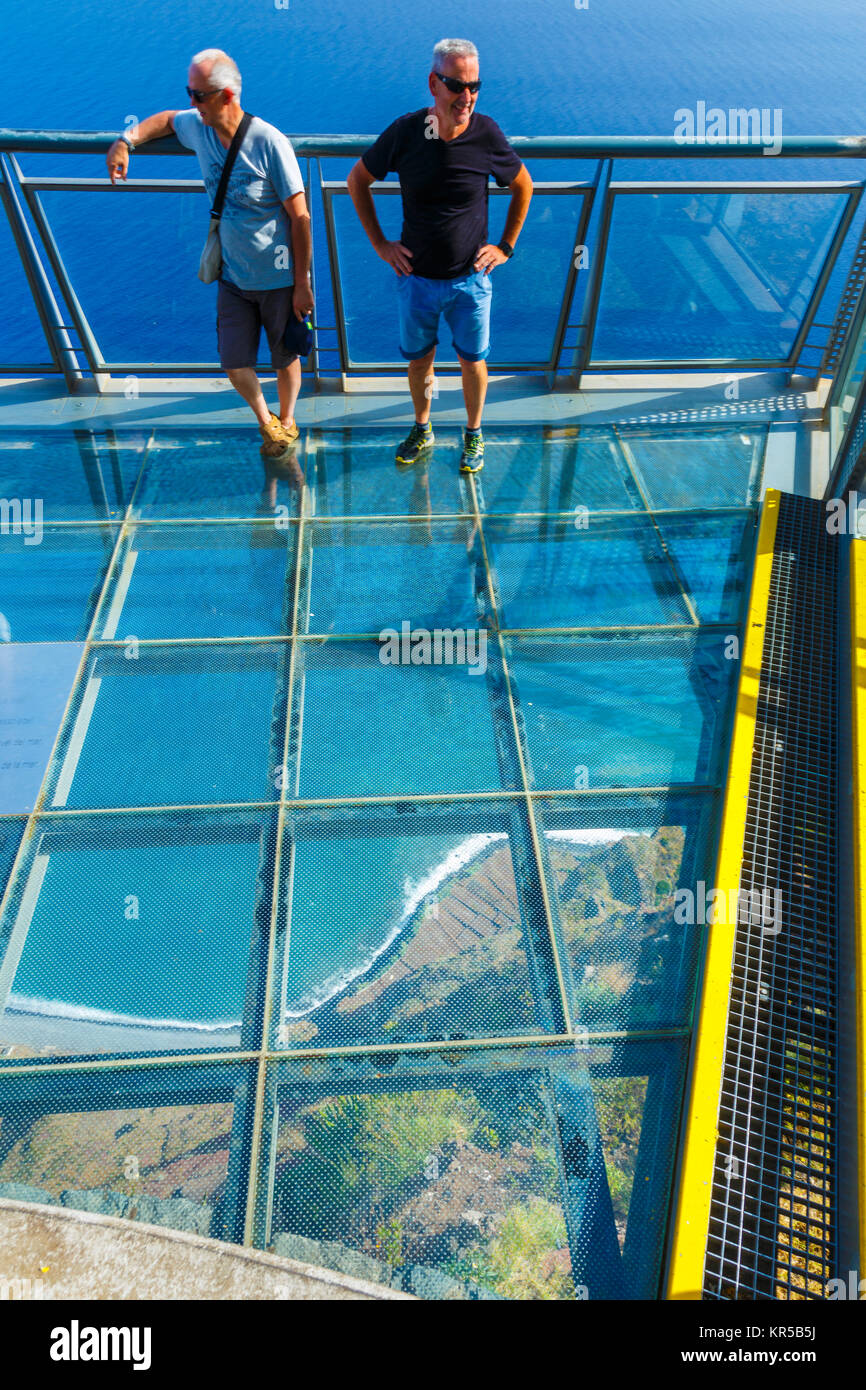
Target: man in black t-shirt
{"type": "Point", "coordinates": [445, 156]}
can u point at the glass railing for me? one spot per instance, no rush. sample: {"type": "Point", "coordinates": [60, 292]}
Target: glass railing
{"type": "Point", "coordinates": [611, 274]}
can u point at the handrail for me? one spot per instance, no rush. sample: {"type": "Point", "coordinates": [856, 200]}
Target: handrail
{"type": "Point", "coordinates": [601, 149]}
{"type": "Point", "coordinates": [532, 146]}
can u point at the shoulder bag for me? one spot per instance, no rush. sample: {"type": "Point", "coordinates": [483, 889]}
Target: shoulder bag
{"type": "Point", "coordinates": [211, 261]}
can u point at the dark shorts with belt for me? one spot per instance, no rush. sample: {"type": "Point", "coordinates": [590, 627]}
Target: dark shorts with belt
{"type": "Point", "coordinates": [241, 316]}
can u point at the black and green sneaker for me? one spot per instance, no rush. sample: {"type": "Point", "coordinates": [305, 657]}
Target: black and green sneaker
{"type": "Point", "coordinates": [416, 443]}
{"type": "Point", "coordinates": [472, 458]}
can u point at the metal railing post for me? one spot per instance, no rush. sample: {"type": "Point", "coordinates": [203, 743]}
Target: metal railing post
{"type": "Point", "coordinates": [827, 267]}
{"type": "Point", "coordinates": [336, 282]}
{"type": "Point", "coordinates": [583, 348]}
{"type": "Point", "coordinates": [89, 345]}
{"type": "Point", "coordinates": [570, 284]}
{"type": "Point", "coordinates": [55, 330]}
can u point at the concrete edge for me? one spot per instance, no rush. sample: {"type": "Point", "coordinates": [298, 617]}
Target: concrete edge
{"type": "Point", "coordinates": [222, 1249]}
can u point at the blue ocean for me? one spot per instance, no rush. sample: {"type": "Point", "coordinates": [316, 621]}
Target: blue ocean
{"type": "Point", "coordinates": [550, 67]}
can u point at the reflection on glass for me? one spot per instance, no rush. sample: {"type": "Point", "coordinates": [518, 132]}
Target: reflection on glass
{"type": "Point", "coordinates": [702, 276]}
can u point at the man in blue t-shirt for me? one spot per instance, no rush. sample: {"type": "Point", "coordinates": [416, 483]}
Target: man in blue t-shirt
{"type": "Point", "coordinates": [264, 233]}
{"type": "Point", "coordinates": [445, 156]}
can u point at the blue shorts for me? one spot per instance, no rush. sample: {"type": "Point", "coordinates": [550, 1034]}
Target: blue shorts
{"type": "Point", "coordinates": [465, 303]}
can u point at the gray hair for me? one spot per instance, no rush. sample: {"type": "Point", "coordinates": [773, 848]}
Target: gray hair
{"type": "Point", "coordinates": [453, 48]}
{"type": "Point", "coordinates": [224, 72]}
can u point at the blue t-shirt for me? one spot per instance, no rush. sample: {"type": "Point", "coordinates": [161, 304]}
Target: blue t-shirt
{"type": "Point", "coordinates": [255, 231]}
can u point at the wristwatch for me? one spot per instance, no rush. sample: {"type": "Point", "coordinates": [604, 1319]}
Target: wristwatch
{"type": "Point", "coordinates": [506, 248]}
{"type": "Point", "coordinates": [126, 140]}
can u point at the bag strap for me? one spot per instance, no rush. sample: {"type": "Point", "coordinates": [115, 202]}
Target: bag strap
{"type": "Point", "coordinates": [237, 140]}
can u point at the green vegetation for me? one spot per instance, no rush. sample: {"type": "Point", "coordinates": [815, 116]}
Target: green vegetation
{"type": "Point", "coordinates": [619, 1107]}
{"type": "Point", "coordinates": [522, 1261]}
{"type": "Point", "coordinates": [378, 1142]}
{"type": "Point", "coordinates": [389, 1242]}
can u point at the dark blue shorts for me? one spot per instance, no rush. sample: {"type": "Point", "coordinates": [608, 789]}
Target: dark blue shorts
{"type": "Point", "coordinates": [241, 316]}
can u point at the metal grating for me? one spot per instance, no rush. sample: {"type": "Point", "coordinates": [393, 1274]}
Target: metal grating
{"type": "Point", "coordinates": [773, 1216]}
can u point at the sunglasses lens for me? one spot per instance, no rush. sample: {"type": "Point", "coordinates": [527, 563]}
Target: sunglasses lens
{"type": "Point", "coordinates": [457, 87]}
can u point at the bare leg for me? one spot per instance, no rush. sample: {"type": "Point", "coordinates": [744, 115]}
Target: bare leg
{"type": "Point", "coordinates": [420, 383]}
{"type": "Point", "coordinates": [246, 383]}
{"type": "Point", "coordinates": [289, 386]}
{"type": "Point", "coordinates": [474, 376]}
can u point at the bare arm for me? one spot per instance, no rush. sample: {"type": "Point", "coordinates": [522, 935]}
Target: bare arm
{"type": "Point", "coordinates": [153, 128]}
{"type": "Point", "coordinates": [302, 253]}
{"type": "Point", "coordinates": [521, 193]}
{"type": "Point", "coordinates": [393, 252]}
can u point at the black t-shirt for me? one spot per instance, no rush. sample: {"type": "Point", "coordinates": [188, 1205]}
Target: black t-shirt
{"type": "Point", "coordinates": [444, 184]}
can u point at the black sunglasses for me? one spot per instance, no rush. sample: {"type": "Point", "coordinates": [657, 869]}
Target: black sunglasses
{"type": "Point", "coordinates": [195, 95]}
{"type": "Point", "coordinates": [455, 85]}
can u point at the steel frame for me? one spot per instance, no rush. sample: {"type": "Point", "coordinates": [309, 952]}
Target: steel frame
{"type": "Point", "coordinates": [16, 187]}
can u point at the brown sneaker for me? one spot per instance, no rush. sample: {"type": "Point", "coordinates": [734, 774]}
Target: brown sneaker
{"type": "Point", "coordinates": [276, 437]}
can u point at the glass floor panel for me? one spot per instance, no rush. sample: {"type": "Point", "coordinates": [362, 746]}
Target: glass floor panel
{"type": "Point", "coordinates": [369, 576]}
{"type": "Point", "coordinates": [131, 933]}
{"type": "Point", "coordinates": [554, 470]}
{"type": "Point", "coordinates": [139, 1145]}
{"type": "Point", "coordinates": [674, 467]}
{"type": "Point", "coordinates": [711, 556]}
{"type": "Point", "coordinates": [194, 476]}
{"type": "Point", "coordinates": [356, 476]}
{"type": "Point", "coordinates": [76, 475]}
{"type": "Point", "coordinates": [623, 712]}
{"type": "Point", "coordinates": [614, 867]}
{"type": "Point", "coordinates": [400, 730]}
{"type": "Point", "coordinates": [531, 1175]}
{"type": "Point", "coordinates": [608, 572]}
{"type": "Point", "coordinates": [227, 581]}
{"type": "Point", "coordinates": [158, 726]}
{"type": "Point", "coordinates": [363, 819]}
{"type": "Point", "coordinates": [414, 925]}
{"type": "Point", "coordinates": [49, 589]}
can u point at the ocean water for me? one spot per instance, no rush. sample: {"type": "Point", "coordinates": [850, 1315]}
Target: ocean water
{"type": "Point", "coordinates": [615, 66]}
{"type": "Point", "coordinates": [618, 66]}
